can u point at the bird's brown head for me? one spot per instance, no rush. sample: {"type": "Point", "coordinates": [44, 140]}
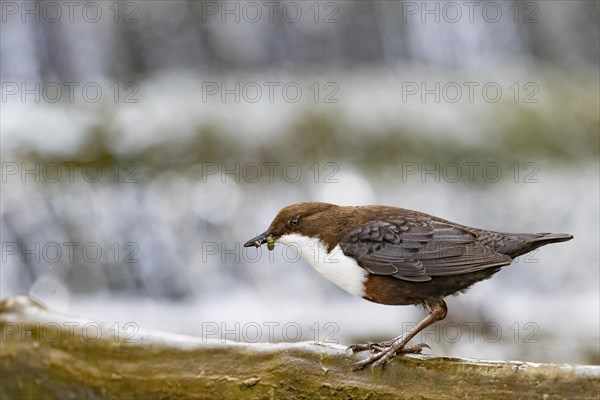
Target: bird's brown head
{"type": "Point", "coordinates": [307, 219]}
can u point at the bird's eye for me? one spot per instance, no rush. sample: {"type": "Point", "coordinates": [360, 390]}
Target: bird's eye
{"type": "Point", "coordinates": [294, 222]}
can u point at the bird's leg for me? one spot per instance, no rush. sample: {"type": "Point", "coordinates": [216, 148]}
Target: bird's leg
{"type": "Point", "coordinates": [384, 351]}
{"type": "Point", "coordinates": [380, 346]}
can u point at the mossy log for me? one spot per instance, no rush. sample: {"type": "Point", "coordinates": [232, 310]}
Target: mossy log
{"type": "Point", "coordinates": [45, 354]}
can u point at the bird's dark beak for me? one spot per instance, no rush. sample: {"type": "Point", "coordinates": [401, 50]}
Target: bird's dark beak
{"type": "Point", "coordinates": [259, 240]}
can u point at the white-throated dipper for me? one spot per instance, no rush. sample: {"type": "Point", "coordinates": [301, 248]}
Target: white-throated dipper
{"type": "Point", "coordinates": [395, 256]}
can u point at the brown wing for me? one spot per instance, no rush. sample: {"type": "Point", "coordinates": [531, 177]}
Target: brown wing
{"type": "Point", "coordinates": [417, 250]}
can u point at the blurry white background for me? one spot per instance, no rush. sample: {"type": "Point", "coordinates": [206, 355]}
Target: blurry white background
{"type": "Point", "coordinates": [392, 107]}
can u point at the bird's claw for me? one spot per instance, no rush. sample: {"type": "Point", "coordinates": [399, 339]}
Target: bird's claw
{"type": "Point", "coordinates": [371, 346]}
{"type": "Point", "coordinates": [357, 348]}
{"type": "Point", "coordinates": [383, 352]}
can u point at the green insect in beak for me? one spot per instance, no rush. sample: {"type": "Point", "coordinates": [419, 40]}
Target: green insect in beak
{"type": "Point", "coordinates": [270, 243]}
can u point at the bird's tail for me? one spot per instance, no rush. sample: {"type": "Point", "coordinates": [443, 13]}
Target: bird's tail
{"type": "Point", "coordinates": [521, 243]}
{"type": "Point", "coordinates": [516, 244]}
{"type": "Point", "coordinates": [547, 238]}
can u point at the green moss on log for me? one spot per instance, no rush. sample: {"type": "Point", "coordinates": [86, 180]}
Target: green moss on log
{"type": "Point", "coordinates": [48, 355]}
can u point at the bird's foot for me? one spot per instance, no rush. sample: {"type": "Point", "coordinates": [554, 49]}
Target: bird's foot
{"type": "Point", "coordinates": [372, 347]}
{"type": "Point", "coordinates": [382, 352]}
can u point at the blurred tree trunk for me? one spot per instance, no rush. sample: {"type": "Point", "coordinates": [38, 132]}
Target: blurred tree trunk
{"type": "Point", "coordinates": [50, 355]}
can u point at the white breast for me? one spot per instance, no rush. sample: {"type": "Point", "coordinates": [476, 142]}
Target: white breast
{"type": "Point", "coordinates": [335, 266]}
